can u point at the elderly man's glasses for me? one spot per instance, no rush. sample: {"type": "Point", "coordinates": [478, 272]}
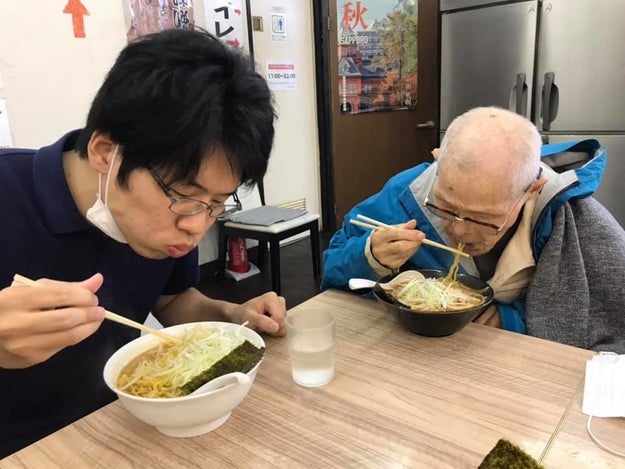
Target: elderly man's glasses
{"type": "Point", "coordinates": [490, 228]}
{"type": "Point", "coordinates": [186, 206]}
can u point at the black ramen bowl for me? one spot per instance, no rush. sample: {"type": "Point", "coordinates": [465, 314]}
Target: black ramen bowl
{"type": "Point", "coordinates": [435, 323]}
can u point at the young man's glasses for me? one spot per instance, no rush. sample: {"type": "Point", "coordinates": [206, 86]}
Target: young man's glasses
{"type": "Point", "coordinates": [485, 226]}
{"type": "Point", "coordinates": [186, 206]}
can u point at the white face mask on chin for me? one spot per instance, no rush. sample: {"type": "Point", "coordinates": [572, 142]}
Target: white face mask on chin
{"type": "Point", "coordinates": [100, 215]}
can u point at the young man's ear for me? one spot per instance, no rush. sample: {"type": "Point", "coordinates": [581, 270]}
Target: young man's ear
{"type": "Point", "coordinates": [100, 151]}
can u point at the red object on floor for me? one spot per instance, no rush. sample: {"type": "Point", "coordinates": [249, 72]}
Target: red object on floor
{"type": "Point", "coordinates": [237, 255]}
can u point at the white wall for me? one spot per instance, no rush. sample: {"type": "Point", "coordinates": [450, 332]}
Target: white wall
{"type": "Point", "coordinates": [48, 76]}
{"type": "Point", "coordinates": [294, 165]}
{"type": "Point", "coordinates": [49, 79]}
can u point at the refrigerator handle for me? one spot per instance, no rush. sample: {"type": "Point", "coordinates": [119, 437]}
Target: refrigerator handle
{"type": "Point", "coordinates": [550, 101]}
{"type": "Point", "coordinates": [520, 106]}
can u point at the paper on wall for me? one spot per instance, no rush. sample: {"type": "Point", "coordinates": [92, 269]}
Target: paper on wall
{"type": "Point", "coordinates": [5, 131]}
{"type": "Point", "coordinates": [281, 76]}
{"type": "Point", "coordinates": [278, 27]}
{"type": "Point", "coordinates": [149, 16]}
{"type": "Point", "coordinates": [225, 19]}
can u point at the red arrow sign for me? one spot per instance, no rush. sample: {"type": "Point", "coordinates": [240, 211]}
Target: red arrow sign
{"type": "Point", "coordinates": [234, 42]}
{"type": "Point", "coordinates": [237, 11]}
{"type": "Point", "coordinates": [77, 10]}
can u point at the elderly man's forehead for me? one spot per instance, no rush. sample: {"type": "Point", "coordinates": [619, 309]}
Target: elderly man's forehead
{"type": "Point", "coordinates": [478, 154]}
{"type": "Point", "coordinates": [460, 175]}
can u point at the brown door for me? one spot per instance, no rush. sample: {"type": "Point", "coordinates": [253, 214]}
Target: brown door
{"type": "Point", "coordinates": [366, 147]}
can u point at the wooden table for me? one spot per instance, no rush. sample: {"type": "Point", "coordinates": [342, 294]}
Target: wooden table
{"type": "Point", "coordinates": [573, 447]}
{"type": "Point", "coordinates": [397, 400]}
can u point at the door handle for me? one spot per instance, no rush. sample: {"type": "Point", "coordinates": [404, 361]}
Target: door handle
{"type": "Point", "coordinates": [427, 125]}
{"type": "Point", "coordinates": [521, 95]}
{"type": "Point", "coordinates": [550, 100]}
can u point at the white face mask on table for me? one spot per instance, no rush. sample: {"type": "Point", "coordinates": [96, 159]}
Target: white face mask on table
{"type": "Point", "coordinates": [99, 214]}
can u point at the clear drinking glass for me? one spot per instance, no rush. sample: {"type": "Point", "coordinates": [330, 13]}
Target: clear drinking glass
{"type": "Point", "coordinates": [312, 343]}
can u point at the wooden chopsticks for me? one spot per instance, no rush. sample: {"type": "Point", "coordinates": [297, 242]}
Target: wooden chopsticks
{"type": "Point", "coordinates": [378, 225]}
{"type": "Point", "coordinates": [21, 280]}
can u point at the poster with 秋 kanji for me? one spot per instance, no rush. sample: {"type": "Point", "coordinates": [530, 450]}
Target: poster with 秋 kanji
{"type": "Point", "coordinates": [377, 42]}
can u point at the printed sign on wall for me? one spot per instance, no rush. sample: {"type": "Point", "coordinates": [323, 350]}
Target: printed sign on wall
{"type": "Point", "coordinates": [227, 20]}
{"type": "Point", "coordinates": [152, 16]}
{"type": "Point", "coordinates": [281, 76]}
{"type": "Point", "coordinates": [278, 27]}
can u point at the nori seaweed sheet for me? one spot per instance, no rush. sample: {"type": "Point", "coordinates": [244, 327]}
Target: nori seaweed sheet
{"type": "Point", "coordinates": [242, 358]}
{"type": "Point", "coordinates": [506, 455]}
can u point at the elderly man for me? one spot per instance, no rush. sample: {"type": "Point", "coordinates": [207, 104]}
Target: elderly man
{"type": "Point", "coordinates": [552, 253]}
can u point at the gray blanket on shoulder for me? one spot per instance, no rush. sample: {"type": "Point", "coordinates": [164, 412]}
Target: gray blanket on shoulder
{"type": "Point", "coordinates": [577, 294]}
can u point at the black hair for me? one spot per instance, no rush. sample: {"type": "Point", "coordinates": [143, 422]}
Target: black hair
{"type": "Point", "coordinates": [174, 97]}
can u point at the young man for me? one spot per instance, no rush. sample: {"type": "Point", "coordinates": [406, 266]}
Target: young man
{"type": "Point", "coordinates": [553, 254]}
{"type": "Point", "coordinates": [112, 215]}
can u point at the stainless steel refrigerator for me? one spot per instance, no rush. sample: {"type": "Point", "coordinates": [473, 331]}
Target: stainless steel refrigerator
{"type": "Point", "coordinates": [560, 63]}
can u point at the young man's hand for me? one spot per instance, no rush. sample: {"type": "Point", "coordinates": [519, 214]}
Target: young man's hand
{"type": "Point", "coordinates": [265, 313]}
{"type": "Point", "coordinates": [37, 322]}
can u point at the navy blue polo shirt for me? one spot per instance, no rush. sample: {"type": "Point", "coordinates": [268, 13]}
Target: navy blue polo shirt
{"type": "Point", "coordinates": [42, 234]}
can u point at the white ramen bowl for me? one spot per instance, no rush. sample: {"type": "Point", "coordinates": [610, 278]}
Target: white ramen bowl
{"type": "Point", "coordinates": [188, 415]}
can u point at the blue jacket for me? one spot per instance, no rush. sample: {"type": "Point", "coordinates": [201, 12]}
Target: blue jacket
{"type": "Point", "coordinates": [401, 200]}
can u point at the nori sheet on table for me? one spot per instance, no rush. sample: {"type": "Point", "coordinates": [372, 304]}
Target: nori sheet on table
{"type": "Point", "coordinates": [242, 358]}
{"type": "Point", "coordinates": [506, 455]}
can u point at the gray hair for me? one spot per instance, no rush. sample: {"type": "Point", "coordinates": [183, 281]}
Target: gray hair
{"type": "Point", "coordinates": [490, 137]}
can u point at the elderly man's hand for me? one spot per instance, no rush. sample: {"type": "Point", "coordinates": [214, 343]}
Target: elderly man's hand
{"type": "Point", "coordinates": [265, 313]}
{"type": "Point", "coordinates": [392, 247]}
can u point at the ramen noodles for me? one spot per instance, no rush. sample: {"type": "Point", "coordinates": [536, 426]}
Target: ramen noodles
{"type": "Point", "coordinates": [177, 369]}
{"type": "Point", "coordinates": [437, 294]}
